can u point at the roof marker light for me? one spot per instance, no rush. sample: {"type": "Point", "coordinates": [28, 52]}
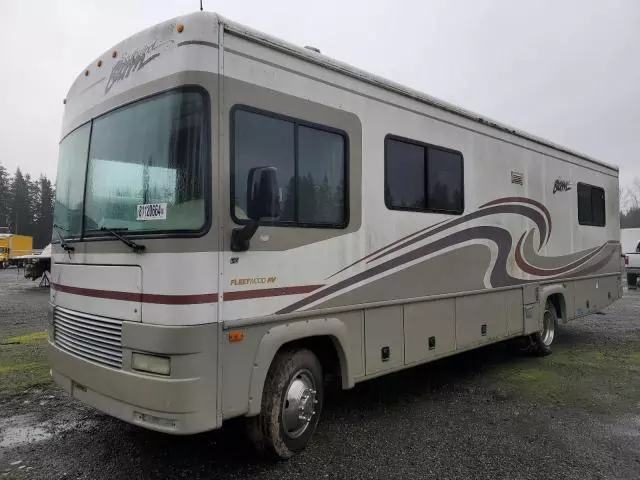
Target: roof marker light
{"type": "Point", "coordinates": [180, 28]}
{"type": "Point", "coordinates": [99, 63]}
{"type": "Point", "coordinates": [86, 73]}
{"type": "Point", "coordinates": [114, 54]}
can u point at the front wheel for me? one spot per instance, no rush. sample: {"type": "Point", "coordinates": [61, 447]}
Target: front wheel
{"type": "Point", "coordinates": [539, 343]}
{"type": "Point", "coordinates": [632, 280]}
{"type": "Point", "coordinates": [291, 404]}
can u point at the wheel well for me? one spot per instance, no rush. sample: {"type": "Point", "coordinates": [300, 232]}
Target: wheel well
{"type": "Point", "coordinates": [325, 349]}
{"type": "Point", "coordinates": [560, 306]}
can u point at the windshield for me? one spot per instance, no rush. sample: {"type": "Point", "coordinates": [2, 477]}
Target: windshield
{"type": "Point", "coordinates": [67, 213]}
{"type": "Point", "coordinates": [145, 170]}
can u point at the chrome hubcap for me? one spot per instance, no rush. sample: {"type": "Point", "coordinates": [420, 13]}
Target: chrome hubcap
{"type": "Point", "coordinates": [548, 328]}
{"type": "Point", "coordinates": [299, 404]}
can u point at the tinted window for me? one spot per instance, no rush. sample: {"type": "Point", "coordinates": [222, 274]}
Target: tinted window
{"type": "Point", "coordinates": [405, 186]}
{"type": "Point", "coordinates": [262, 141]}
{"type": "Point", "coordinates": [591, 205]}
{"type": "Point", "coordinates": [422, 177]}
{"type": "Point", "coordinates": [320, 176]}
{"type": "Point", "coordinates": [444, 180]}
{"type": "Point", "coordinates": [311, 168]}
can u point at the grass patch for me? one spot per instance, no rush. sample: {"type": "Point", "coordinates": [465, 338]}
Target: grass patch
{"type": "Point", "coordinates": [23, 363]}
{"type": "Point", "coordinates": [604, 379]}
{"type": "Point", "coordinates": [35, 337]}
{"type": "Point", "coordinates": [18, 368]}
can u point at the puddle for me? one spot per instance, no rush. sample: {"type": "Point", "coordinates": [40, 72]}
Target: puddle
{"type": "Point", "coordinates": [22, 429]}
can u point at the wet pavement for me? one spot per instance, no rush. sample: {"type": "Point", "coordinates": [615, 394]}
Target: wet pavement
{"type": "Point", "coordinates": [490, 413]}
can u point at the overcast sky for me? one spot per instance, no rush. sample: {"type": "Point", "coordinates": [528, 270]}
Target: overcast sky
{"type": "Point", "coordinates": [566, 70]}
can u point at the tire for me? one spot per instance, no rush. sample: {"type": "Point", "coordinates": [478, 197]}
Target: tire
{"type": "Point", "coordinates": [291, 405]}
{"type": "Point", "coordinates": [632, 280]}
{"type": "Point", "coordinates": [539, 343]}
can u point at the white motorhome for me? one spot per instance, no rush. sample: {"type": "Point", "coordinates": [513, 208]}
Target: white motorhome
{"type": "Point", "coordinates": [238, 220]}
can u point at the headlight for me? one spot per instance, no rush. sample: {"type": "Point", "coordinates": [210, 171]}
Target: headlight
{"type": "Point", "coordinates": [151, 363]}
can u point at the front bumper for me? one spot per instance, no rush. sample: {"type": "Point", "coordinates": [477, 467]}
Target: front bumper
{"type": "Point", "coordinates": [182, 403]}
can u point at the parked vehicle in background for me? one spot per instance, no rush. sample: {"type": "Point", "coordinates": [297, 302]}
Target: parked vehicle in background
{"type": "Point", "coordinates": [13, 246]}
{"type": "Point", "coordinates": [239, 220]}
{"type": "Point", "coordinates": [630, 240]}
{"type": "Point", "coordinates": [38, 265]}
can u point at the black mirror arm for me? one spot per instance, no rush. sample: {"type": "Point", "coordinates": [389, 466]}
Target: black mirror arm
{"type": "Point", "coordinates": [241, 236]}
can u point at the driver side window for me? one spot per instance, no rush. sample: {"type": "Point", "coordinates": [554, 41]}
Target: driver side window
{"type": "Point", "coordinates": [311, 167]}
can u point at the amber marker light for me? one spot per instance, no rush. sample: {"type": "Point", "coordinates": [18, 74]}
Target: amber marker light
{"type": "Point", "coordinates": [236, 336]}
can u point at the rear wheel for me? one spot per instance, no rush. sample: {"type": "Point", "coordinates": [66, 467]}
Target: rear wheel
{"type": "Point", "coordinates": [539, 343]}
{"type": "Point", "coordinates": [291, 404]}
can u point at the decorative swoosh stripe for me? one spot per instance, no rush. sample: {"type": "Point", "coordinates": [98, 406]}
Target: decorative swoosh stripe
{"type": "Point", "coordinates": [499, 276]}
{"type": "Point", "coordinates": [530, 201]}
{"type": "Point", "coordinates": [269, 292]}
{"type": "Point", "coordinates": [497, 209]}
{"type": "Point", "coordinates": [545, 230]}
{"type": "Point", "coordinates": [387, 246]}
{"type": "Point", "coordinates": [549, 272]}
{"type": "Point", "coordinates": [584, 262]}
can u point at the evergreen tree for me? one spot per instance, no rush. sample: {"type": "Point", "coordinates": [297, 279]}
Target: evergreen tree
{"type": "Point", "coordinates": [288, 207]}
{"type": "Point", "coordinates": [19, 209]}
{"type": "Point", "coordinates": [44, 219]}
{"type": "Point", "coordinates": [325, 210]}
{"type": "Point", "coordinates": [4, 197]}
{"type": "Point", "coordinates": [33, 189]}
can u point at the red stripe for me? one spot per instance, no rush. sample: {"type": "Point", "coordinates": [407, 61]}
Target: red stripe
{"type": "Point", "coordinates": [138, 297]}
{"type": "Point", "coordinates": [179, 299]}
{"type": "Point", "coordinates": [270, 292]}
{"type": "Point", "coordinates": [184, 299]}
{"type": "Point", "coordinates": [91, 292]}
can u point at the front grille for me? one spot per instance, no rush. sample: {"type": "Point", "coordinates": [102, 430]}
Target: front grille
{"type": "Point", "coordinates": [94, 338]}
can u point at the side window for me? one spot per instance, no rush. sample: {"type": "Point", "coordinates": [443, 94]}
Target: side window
{"type": "Point", "coordinates": [591, 206]}
{"type": "Point", "coordinates": [405, 175]}
{"type": "Point", "coordinates": [310, 160]}
{"type": "Point", "coordinates": [444, 180]}
{"type": "Point", "coordinates": [423, 178]}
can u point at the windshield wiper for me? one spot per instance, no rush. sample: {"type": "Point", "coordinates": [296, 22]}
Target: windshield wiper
{"type": "Point", "coordinates": [136, 247]}
{"type": "Point", "coordinates": [65, 246]}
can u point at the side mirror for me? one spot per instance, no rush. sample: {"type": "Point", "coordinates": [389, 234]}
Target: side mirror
{"type": "Point", "coordinates": [263, 201]}
{"type": "Point", "coordinates": [263, 193]}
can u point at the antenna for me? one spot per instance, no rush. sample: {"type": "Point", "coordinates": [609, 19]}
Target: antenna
{"type": "Point", "coordinates": [200, 5]}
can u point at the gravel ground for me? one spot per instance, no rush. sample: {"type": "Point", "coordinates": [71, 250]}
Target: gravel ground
{"type": "Point", "coordinates": [491, 413]}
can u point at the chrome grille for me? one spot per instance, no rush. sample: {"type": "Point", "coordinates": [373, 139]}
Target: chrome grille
{"type": "Point", "coordinates": [92, 337]}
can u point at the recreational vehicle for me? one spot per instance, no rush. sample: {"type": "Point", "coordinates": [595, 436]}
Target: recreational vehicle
{"type": "Point", "coordinates": [239, 220]}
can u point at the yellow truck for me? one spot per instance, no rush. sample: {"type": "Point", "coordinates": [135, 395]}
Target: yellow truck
{"type": "Point", "coordinates": [12, 246]}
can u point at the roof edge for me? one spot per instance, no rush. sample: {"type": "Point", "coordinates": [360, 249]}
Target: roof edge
{"type": "Point", "coordinates": [354, 72]}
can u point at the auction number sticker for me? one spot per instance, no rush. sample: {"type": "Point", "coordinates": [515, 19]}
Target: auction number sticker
{"type": "Point", "coordinates": [152, 211]}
